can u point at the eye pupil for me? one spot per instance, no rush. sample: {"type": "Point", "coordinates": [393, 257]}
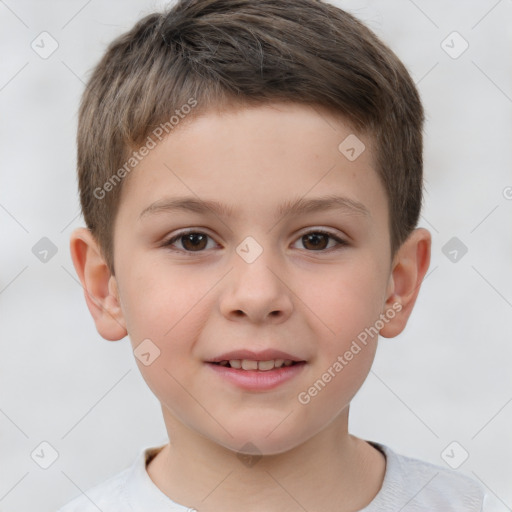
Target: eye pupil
{"type": "Point", "coordinates": [195, 239]}
{"type": "Point", "coordinates": [314, 238]}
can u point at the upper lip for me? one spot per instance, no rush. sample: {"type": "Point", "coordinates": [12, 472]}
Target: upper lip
{"type": "Point", "coordinates": [264, 355]}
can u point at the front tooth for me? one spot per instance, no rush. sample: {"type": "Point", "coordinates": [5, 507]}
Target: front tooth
{"type": "Point", "coordinates": [287, 362]}
{"type": "Point", "coordinates": [248, 364]}
{"type": "Point", "coordinates": [235, 363]}
{"type": "Point", "coordinates": [266, 365]}
{"type": "Point", "coordinates": [278, 363]}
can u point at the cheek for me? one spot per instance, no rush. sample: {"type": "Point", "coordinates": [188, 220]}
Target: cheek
{"type": "Point", "coordinates": [346, 306]}
{"type": "Point", "coordinates": [163, 300]}
{"type": "Point", "coordinates": [169, 310]}
{"type": "Point", "coordinates": [343, 301]}
{"type": "Point", "coordinates": [331, 391]}
{"type": "Point", "coordinates": [169, 305]}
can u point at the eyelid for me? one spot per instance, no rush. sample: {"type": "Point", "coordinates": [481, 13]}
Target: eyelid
{"type": "Point", "coordinates": [320, 229]}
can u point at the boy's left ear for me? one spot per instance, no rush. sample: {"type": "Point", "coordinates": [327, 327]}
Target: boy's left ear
{"type": "Point", "coordinates": [410, 265]}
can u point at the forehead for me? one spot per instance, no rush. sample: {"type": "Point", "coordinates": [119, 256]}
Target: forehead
{"type": "Point", "coordinates": [260, 158]}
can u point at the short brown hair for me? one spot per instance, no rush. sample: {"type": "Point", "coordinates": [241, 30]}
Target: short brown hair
{"type": "Point", "coordinates": [242, 52]}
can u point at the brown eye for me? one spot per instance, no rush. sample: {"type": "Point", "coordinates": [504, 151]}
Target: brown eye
{"type": "Point", "coordinates": [319, 241]}
{"type": "Point", "coordinates": [315, 241]}
{"type": "Point", "coordinates": [190, 242]}
{"type": "Point", "coordinates": [194, 241]}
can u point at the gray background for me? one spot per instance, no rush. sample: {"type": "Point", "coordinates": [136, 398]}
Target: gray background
{"type": "Point", "coordinates": [446, 378]}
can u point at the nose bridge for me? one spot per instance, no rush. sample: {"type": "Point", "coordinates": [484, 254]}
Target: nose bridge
{"type": "Point", "coordinates": [256, 286]}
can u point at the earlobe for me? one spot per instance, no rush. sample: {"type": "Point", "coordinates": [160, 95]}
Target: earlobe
{"type": "Point", "coordinates": [100, 286]}
{"type": "Point", "coordinates": [409, 268]}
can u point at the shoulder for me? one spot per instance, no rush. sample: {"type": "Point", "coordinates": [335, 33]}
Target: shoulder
{"type": "Point", "coordinates": [107, 496]}
{"type": "Point", "coordinates": [419, 486]}
{"type": "Point", "coordinates": [131, 489]}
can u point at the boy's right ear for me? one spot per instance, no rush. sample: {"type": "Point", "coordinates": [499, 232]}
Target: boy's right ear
{"type": "Point", "coordinates": [100, 286]}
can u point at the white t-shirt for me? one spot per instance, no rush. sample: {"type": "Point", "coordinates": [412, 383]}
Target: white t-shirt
{"type": "Point", "coordinates": [409, 485]}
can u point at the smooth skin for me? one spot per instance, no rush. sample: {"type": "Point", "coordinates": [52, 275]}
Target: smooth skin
{"type": "Point", "coordinates": [308, 296]}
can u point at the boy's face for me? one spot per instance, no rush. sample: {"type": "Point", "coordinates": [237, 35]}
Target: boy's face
{"type": "Point", "coordinates": [253, 281]}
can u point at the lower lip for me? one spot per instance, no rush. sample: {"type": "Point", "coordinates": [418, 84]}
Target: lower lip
{"type": "Point", "coordinates": [258, 380]}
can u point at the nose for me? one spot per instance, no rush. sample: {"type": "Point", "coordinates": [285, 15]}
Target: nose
{"type": "Point", "coordinates": [257, 291]}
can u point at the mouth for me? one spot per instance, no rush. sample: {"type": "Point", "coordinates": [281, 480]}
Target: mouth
{"type": "Point", "coordinates": [257, 371]}
{"type": "Point", "coordinates": [251, 364]}
{"type": "Point", "coordinates": [264, 360]}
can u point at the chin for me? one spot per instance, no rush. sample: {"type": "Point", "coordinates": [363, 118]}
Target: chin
{"type": "Point", "coordinates": [258, 447]}
{"type": "Point", "coordinates": [263, 438]}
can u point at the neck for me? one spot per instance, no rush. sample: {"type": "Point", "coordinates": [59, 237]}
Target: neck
{"type": "Point", "coordinates": [332, 471]}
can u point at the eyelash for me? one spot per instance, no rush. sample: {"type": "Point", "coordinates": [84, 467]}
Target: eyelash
{"type": "Point", "coordinates": [339, 241]}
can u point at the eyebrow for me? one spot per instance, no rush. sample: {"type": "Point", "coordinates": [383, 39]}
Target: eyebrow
{"type": "Point", "coordinates": [298, 206]}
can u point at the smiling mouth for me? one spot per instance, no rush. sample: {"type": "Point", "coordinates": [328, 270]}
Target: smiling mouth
{"type": "Point", "coordinates": [249, 364]}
